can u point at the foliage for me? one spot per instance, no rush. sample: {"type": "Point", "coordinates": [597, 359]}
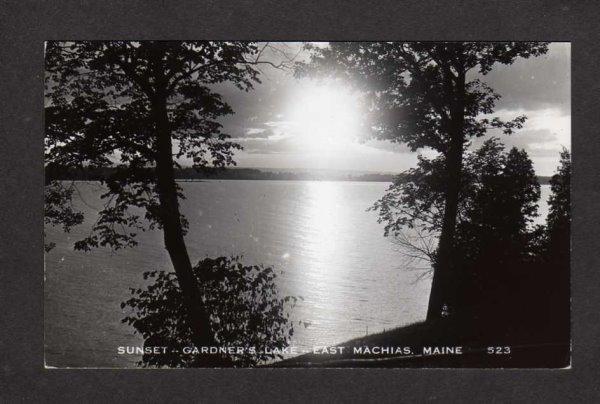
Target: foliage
{"type": "Point", "coordinates": [497, 203]}
{"type": "Point", "coordinates": [244, 306]}
{"type": "Point", "coordinates": [415, 199]}
{"type": "Point", "coordinates": [556, 251]}
{"type": "Point", "coordinates": [58, 208]}
{"type": "Point", "coordinates": [494, 238]}
{"type": "Point", "coordinates": [413, 90]}
{"type": "Point", "coordinates": [412, 208]}
{"type": "Point", "coordinates": [101, 100]}
{"type": "Point", "coordinates": [559, 216]}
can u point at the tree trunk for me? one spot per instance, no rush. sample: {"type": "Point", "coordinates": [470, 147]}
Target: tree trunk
{"type": "Point", "coordinates": [173, 230]}
{"type": "Point", "coordinates": [444, 285]}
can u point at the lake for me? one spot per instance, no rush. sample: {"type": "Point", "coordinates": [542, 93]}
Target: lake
{"type": "Point", "coordinates": [329, 249]}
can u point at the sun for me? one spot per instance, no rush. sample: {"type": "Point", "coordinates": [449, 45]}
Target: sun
{"type": "Point", "coordinates": [324, 116]}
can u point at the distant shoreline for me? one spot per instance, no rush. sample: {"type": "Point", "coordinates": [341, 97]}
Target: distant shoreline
{"type": "Point", "coordinates": [189, 174]}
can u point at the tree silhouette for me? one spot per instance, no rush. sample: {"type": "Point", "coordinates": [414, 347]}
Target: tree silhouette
{"type": "Point", "coordinates": [428, 94]}
{"type": "Point", "coordinates": [494, 236]}
{"type": "Point", "coordinates": [501, 198]}
{"type": "Point", "coordinates": [412, 208]}
{"type": "Point", "coordinates": [556, 252]}
{"type": "Point", "coordinates": [559, 215]}
{"type": "Point", "coordinates": [139, 106]}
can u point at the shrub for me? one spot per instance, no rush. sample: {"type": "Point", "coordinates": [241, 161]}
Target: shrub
{"type": "Point", "coordinates": [243, 304]}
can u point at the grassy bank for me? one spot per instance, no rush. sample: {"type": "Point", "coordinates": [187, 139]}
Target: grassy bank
{"type": "Point", "coordinates": [480, 347]}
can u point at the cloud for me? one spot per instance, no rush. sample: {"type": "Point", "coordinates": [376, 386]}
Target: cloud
{"type": "Point", "coordinates": [273, 144]}
{"type": "Point", "coordinates": [386, 145]}
{"type": "Point", "coordinates": [524, 139]}
{"type": "Point", "coordinates": [262, 133]}
{"type": "Point", "coordinates": [536, 83]}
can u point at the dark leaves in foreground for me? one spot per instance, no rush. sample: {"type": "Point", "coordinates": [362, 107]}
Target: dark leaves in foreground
{"type": "Point", "coordinates": [58, 208]}
{"type": "Point", "coordinates": [245, 311]}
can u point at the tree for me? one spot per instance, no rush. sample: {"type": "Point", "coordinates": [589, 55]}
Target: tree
{"type": "Point", "coordinates": [500, 201]}
{"type": "Point", "coordinates": [139, 106]}
{"type": "Point", "coordinates": [428, 95]}
{"type": "Point", "coordinates": [556, 252]}
{"type": "Point", "coordinates": [559, 216]}
{"type": "Point", "coordinates": [494, 235]}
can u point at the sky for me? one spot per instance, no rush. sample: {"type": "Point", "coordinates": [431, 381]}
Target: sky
{"type": "Point", "coordinates": [291, 123]}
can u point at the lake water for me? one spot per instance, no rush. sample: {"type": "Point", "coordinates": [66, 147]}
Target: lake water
{"type": "Point", "coordinates": [331, 252]}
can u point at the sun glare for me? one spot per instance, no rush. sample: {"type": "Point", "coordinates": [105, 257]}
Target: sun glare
{"type": "Point", "coordinates": [325, 116]}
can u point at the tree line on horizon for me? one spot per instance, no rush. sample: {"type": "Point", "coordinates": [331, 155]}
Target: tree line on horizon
{"type": "Point", "coordinates": [141, 98]}
{"type": "Point", "coordinates": [234, 173]}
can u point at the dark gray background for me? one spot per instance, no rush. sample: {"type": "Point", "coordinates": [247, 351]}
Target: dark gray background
{"type": "Point", "coordinates": [24, 25]}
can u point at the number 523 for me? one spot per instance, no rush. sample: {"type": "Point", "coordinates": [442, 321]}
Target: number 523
{"type": "Point", "coordinates": [498, 350]}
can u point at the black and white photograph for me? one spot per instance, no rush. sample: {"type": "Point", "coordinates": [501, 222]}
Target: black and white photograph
{"type": "Point", "coordinates": [385, 204]}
